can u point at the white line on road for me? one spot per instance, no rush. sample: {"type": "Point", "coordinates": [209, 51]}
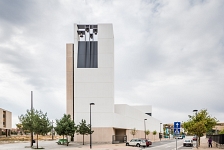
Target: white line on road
{"type": "Point", "coordinates": [177, 147]}
{"type": "Point", "coordinates": [160, 145]}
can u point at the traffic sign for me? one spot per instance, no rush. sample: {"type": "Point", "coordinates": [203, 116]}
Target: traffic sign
{"type": "Point", "coordinates": [176, 131]}
{"type": "Point", "coordinates": [176, 125]}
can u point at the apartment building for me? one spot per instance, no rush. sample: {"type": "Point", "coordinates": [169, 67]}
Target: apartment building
{"type": "Point", "coordinates": [5, 121]}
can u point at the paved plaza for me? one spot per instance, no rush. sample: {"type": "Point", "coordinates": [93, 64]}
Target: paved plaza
{"type": "Point", "coordinates": [73, 146]}
{"type": "Point", "coordinates": [96, 146]}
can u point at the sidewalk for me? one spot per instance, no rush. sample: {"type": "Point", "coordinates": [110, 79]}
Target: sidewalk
{"type": "Point", "coordinates": [95, 146]}
{"type": "Point", "coordinates": [204, 144]}
{"type": "Point", "coordinates": [121, 146]}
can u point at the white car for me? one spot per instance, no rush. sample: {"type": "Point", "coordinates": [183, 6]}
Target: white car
{"type": "Point", "coordinates": [179, 137]}
{"type": "Point", "coordinates": [136, 142]}
{"type": "Point", "coordinates": [188, 142]}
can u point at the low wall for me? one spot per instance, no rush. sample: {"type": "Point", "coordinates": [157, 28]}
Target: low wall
{"type": "Point", "coordinates": [141, 134]}
{"type": "Point", "coordinates": [100, 135]}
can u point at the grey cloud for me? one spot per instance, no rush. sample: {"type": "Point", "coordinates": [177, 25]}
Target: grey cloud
{"type": "Point", "coordinates": [16, 12]}
{"type": "Point", "coordinates": [166, 52]}
{"type": "Point", "coordinates": [195, 64]}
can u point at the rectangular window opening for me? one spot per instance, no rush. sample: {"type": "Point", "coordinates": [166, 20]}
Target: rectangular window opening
{"type": "Point", "coordinates": [87, 54]}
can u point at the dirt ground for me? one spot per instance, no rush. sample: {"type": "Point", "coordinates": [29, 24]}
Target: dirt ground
{"type": "Point", "coordinates": [17, 138]}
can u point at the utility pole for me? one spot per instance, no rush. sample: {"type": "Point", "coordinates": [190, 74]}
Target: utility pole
{"type": "Point", "coordinates": [31, 114]}
{"type": "Point", "coordinates": [52, 133]}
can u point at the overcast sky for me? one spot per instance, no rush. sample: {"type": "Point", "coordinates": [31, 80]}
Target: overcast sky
{"type": "Point", "coordinates": [168, 54]}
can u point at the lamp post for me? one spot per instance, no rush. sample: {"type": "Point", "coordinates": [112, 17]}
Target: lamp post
{"type": "Point", "coordinates": [145, 127]}
{"type": "Point", "coordinates": [196, 112]}
{"type": "Point", "coordinates": [90, 127]}
{"type": "Point", "coordinates": [31, 138]}
{"type": "Point", "coordinates": [160, 132]}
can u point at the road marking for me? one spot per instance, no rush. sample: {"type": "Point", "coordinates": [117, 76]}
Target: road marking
{"type": "Point", "coordinates": [160, 145]}
{"type": "Point", "coordinates": [177, 147]}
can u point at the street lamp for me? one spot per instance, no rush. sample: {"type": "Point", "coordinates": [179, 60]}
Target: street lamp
{"type": "Point", "coordinates": [145, 127]}
{"type": "Point", "coordinates": [90, 126]}
{"type": "Point", "coordinates": [196, 112]}
{"type": "Point", "coordinates": [160, 132]}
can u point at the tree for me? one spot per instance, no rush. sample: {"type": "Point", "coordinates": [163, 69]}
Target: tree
{"type": "Point", "coordinates": [221, 132]}
{"type": "Point", "coordinates": [199, 124]}
{"type": "Point", "coordinates": [133, 132]}
{"type": "Point", "coordinates": [20, 127]}
{"type": "Point", "coordinates": [41, 124]}
{"type": "Point", "coordinates": [147, 132]}
{"type": "Point", "coordinates": [154, 133]}
{"type": "Point", "coordinates": [83, 129]}
{"type": "Point", "coordinates": [65, 126]}
{"type": "Point", "coordinates": [35, 121]}
{"type": "Point", "coordinates": [27, 122]}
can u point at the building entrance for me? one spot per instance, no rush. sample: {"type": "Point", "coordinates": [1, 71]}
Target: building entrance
{"type": "Point", "coordinates": [120, 136]}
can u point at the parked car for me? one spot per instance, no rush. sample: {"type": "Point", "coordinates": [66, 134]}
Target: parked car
{"type": "Point", "coordinates": [179, 137]}
{"type": "Point", "coordinates": [148, 142]}
{"type": "Point", "coordinates": [62, 141]}
{"type": "Point", "coordinates": [137, 142]}
{"type": "Point", "coordinates": [188, 142]}
{"type": "Point", "coordinates": [194, 138]}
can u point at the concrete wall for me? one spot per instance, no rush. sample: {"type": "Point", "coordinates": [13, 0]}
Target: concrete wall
{"type": "Point", "coordinates": [129, 117]}
{"type": "Point", "coordinates": [143, 108]}
{"type": "Point", "coordinates": [100, 135]}
{"type": "Point", "coordinates": [8, 120]}
{"type": "Point", "coordinates": [104, 135]}
{"type": "Point", "coordinates": [69, 79]}
{"type": "Point", "coordinates": [141, 134]}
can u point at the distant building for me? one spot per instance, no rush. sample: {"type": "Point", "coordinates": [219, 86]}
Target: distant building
{"type": "Point", "coordinates": [218, 127]}
{"type": "Point", "coordinates": [90, 79]}
{"type": "Point", "coordinates": [5, 121]}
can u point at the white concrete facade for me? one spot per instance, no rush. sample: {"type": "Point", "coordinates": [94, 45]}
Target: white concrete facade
{"type": "Point", "coordinates": [130, 117]}
{"type": "Point", "coordinates": [96, 85]}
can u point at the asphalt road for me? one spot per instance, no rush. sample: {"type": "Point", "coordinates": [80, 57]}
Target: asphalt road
{"type": "Point", "coordinates": [169, 145]}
